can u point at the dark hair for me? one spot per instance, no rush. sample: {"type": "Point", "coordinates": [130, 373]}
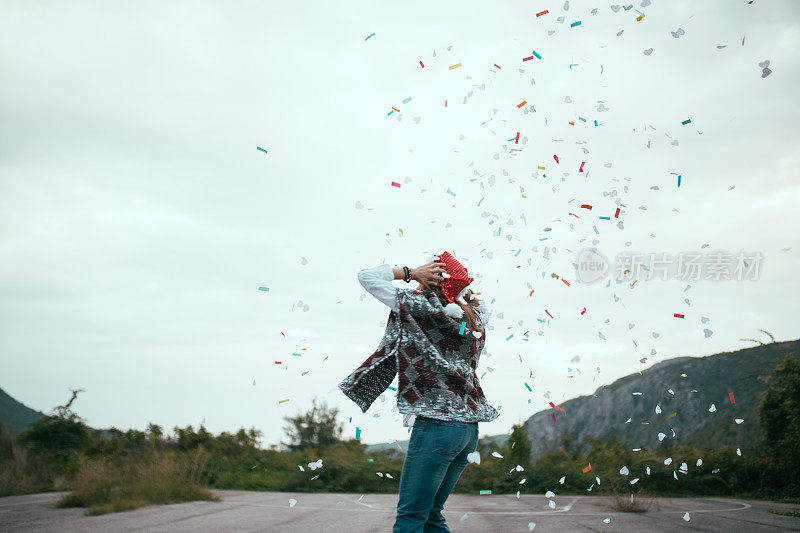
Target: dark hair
{"type": "Point", "coordinates": [470, 314]}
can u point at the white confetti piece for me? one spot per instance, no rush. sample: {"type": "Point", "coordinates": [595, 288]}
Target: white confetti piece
{"type": "Point", "coordinates": [658, 409]}
{"type": "Point", "coordinates": [464, 517]}
{"type": "Point", "coordinates": [292, 502]}
{"type": "Point", "coordinates": [552, 504]}
{"type": "Point", "coordinates": [624, 471]}
{"type": "Point", "coordinates": [633, 481]}
{"type": "Point", "coordinates": [562, 480]}
{"type": "Point", "coordinates": [549, 494]}
{"type": "Point", "coordinates": [686, 516]}
{"type": "Point", "coordinates": [606, 520]}
{"type": "Point", "coordinates": [531, 525]}
{"type": "Point", "coordinates": [739, 420]}
{"type": "Point", "coordinates": [712, 408]}
{"type": "Point", "coordinates": [496, 454]}
{"type": "Point", "coordinates": [474, 457]}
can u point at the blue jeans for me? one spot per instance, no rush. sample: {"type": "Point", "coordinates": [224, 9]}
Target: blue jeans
{"type": "Point", "coordinates": [437, 454]}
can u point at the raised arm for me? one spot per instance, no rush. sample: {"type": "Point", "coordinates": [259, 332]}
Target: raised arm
{"type": "Point", "coordinates": [378, 280]}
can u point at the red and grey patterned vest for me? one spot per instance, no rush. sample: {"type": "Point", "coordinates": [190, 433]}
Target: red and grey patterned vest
{"type": "Point", "coordinates": [436, 365]}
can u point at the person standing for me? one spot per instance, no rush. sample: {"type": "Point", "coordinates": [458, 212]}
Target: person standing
{"type": "Point", "coordinates": [433, 340]}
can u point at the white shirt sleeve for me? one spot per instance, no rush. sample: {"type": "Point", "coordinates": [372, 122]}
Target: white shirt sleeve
{"type": "Point", "coordinates": [378, 282]}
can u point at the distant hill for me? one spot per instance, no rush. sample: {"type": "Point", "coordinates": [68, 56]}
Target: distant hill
{"type": "Point", "coordinates": [708, 381]}
{"type": "Point", "coordinates": [14, 416]}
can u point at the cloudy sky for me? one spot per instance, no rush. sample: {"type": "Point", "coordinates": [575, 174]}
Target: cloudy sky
{"type": "Point", "coordinates": [138, 218]}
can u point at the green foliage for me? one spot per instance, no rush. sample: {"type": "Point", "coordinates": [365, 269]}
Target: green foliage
{"type": "Point", "coordinates": [58, 436]}
{"type": "Point", "coordinates": [317, 427]}
{"type": "Point", "coordinates": [779, 413]}
{"type": "Point", "coordinates": [114, 470]}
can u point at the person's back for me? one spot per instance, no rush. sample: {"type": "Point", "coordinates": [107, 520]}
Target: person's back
{"type": "Point", "coordinates": [433, 339]}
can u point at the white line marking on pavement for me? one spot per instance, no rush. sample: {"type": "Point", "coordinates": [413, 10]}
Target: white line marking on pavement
{"type": "Point", "coordinates": [358, 502]}
{"type": "Point", "coordinates": [525, 513]}
{"type": "Point", "coordinates": [570, 504]}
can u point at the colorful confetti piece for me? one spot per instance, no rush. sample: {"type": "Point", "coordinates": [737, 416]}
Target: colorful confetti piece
{"type": "Point", "coordinates": [368, 36]}
{"type": "Point", "coordinates": [455, 66]}
{"type": "Point", "coordinates": [395, 184]}
{"type": "Point", "coordinates": [264, 289]}
{"type": "Point", "coordinates": [578, 23]}
{"type": "Point", "coordinates": [522, 104]}
{"type": "Point", "coordinates": [259, 148]}
{"type": "Point", "coordinates": [545, 12]}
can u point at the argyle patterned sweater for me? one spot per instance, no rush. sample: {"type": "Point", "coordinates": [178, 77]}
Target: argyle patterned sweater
{"type": "Point", "coordinates": [436, 365]}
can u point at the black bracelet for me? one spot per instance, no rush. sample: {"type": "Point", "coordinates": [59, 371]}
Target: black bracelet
{"type": "Point", "coordinates": [407, 276]}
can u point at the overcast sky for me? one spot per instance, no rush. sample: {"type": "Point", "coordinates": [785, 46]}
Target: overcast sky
{"type": "Point", "coordinates": [138, 219]}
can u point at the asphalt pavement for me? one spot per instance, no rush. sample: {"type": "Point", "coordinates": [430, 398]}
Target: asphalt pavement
{"type": "Point", "coordinates": [353, 513]}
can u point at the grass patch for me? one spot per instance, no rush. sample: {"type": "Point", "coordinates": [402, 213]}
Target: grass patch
{"type": "Point", "coordinates": [634, 503]}
{"type": "Point", "coordinates": [785, 513]}
{"type": "Point", "coordinates": [162, 477]}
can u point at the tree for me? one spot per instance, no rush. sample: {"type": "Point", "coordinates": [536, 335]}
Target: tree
{"type": "Point", "coordinates": [779, 410]}
{"type": "Point", "coordinates": [59, 434]}
{"type": "Point", "coordinates": [779, 414]}
{"type": "Point", "coordinates": [518, 446]}
{"type": "Point", "coordinates": [316, 427]}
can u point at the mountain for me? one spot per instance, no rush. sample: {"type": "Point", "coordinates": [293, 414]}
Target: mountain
{"type": "Point", "coordinates": [707, 381]}
{"type": "Point", "coordinates": [696, 384]}
{"type": "Point", "coordinates": [14, 415]}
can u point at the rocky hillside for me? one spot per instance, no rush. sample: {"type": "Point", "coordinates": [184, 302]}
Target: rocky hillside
{"type": "Point", "coordinates": [683, 400]}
